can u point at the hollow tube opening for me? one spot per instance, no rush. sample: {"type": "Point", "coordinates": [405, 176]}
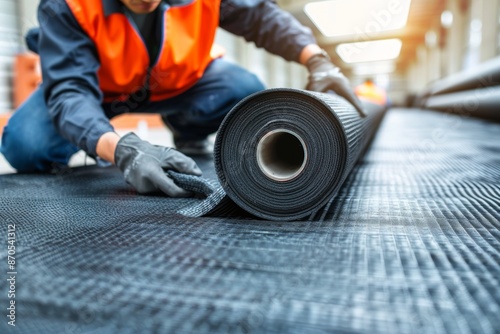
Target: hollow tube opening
{"type": "Point", "coordinates": [281, 154]}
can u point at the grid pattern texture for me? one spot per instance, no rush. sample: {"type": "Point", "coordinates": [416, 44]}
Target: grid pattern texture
{"type": "Point", "coordinates": [332, 133]}
{"type": "Point", "coordinates": [410, 244]}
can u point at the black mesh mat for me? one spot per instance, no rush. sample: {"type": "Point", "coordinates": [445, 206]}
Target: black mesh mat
{"type": "Point", "coordinates": [319, 131]}
{"type": "Point", "coordinates": [409, 245]}
{"type": "Point", "coordinates": [333, 137]}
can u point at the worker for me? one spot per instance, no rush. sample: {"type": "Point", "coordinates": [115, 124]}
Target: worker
{"type": "Point", "coordinates": [103, 58]}
{"type": "Point", "coordinates": [369, 91]}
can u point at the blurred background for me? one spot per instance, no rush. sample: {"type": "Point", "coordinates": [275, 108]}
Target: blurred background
{"type": "Point", "coordinates": [403, 45]}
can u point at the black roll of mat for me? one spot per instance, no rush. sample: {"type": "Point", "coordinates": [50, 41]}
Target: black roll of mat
{"type": "Point", "coordinates": [482, 103]}
{"type": "Point", "coordinates": [484, 75]}
{"type": "Point", "coordinates": [283, 154]}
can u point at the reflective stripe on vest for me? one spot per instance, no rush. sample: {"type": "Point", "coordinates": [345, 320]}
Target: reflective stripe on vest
{"type": "Point", "coordinates": [187, 38]}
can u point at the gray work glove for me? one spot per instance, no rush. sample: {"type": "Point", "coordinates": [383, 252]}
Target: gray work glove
{"type": "Point", "coordinates": [324, 76]}
{"type": "Point", "coordinates": [144, 166]}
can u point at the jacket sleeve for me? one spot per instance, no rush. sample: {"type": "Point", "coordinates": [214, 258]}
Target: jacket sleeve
{"type": "Point", "coordinates": [70, 63]}
{"type": "Point", "coordinates": [267, 25]}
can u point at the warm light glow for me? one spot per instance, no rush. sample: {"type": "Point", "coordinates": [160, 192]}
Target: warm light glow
{"type": "Point", "coordinates": [446, 19]}
{"type": "Point", "coordinates": [372, 68]}
{"type": "Point", "coordinates": [364, 18]}
{"type": "Point", "coordinates": [370, 51]}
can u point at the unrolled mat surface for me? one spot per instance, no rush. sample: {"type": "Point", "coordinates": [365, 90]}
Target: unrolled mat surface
{"type": "Point", "coordinates": [410, 244]}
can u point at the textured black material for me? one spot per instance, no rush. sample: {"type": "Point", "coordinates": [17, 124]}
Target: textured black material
{"type": "Point", "coordinates": [474, 92]}
{"type": "Point", "coordinates": [411, 244]}
{"type": "Point", "coordinates": [332, 131]}
{"type": "Point", "coordinates": [481, 76]}
{"type": "Point", "coordinates": [482, 103]}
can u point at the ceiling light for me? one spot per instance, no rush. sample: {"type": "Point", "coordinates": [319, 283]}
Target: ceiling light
{"type": "Point", "coordinates": [446, 19]}
{"type": "Point", "coordinates": [380, 67]}
{"type": "Point", "coordinates": [364, 18]}
{"type": "Point", "coordinates": [370, 51]}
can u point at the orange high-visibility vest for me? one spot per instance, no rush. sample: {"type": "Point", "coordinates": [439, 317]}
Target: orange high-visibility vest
{"type": "Point", "coordinates": [188, 35]}
{"type": "Point", "coordinates": [371, 92]}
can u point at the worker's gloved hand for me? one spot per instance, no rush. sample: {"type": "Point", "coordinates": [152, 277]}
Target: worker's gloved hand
{"type": "Point", "coordinates": [324, 76]}
{"type": "Point", "coordinates": [144, 166]}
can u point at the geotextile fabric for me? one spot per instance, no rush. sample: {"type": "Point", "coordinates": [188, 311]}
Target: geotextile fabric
{"type": "Point", "coordinates": [486, 74]}
{"type": "Point", "coordinates": [474, 92]}
{"type": "Point", "coordinates": [482, 103]}
{"type": "Point", "coordinates": [410, 244]}
{"type": "Point", "coordinates": [333, 136]}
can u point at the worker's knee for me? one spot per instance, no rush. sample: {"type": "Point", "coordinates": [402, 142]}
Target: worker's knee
{"type": "Point", "coordinates": [18, 148]}
{"type": "Point", "coordinates": [242, 83]}
{"type": "Point", "coordinates": [28, 152]}
{"type": "Point", "coordinates": [30, 141]}
{"type": "Point", "coordinates": [248, 84]}
{"type": "Point", "coordinates": [235, 81]}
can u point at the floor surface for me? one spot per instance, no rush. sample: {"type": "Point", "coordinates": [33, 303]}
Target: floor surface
{"type": "Point", "coordinates": [411, 244]}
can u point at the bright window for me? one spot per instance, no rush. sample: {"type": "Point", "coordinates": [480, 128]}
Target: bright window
{"type": "Point", "coordinates": [370, 51]}
{"type": "Point", "coordinates": [358, 17]}
{"type": "Point", "coordinates": [372, 68]}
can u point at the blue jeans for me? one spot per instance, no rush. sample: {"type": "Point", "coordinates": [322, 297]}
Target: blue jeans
{"type": "Point", "coordinates": [30, 141]}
